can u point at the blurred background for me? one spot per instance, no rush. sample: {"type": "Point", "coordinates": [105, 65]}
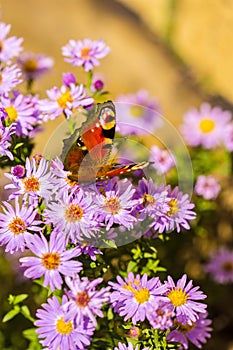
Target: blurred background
{"type": "Point", "coordinates": [179, 50]}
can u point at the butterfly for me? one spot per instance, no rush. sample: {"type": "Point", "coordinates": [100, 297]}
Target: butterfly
{"type": "Point", "coordinates": [87, 151]}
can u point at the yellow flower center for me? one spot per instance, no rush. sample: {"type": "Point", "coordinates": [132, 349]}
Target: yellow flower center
{"type": "Point", "coordinates": [63, 327]}
{"type": "Point", "coordinates": [1, 79]}
{"type": "Point", "coordinates": [173, 207]}
{"type": "Point", "coordinates": [1, 46]}
{"type": "Point", "coordinates": [82, 299]}
{"type": "Point", "coordinates": [207, 125]}
{"type": "Point", "coordinates": [17, 226]}
{"type": "Point", "coordinates": [30, 65]}
{"type": "Point", "coordinates": [227, 266]}
{"type": "Point", "coordinates": [148, 199]}
{"type": "Point", "coordinates": [142, 295]}
{"type": "Point", "coordinates": [31, 183]}
{"type": "Point", "coordinates": [12, 113]}
{"type": "Point", "coordinates": [177, 296]}
{"type": "Point", "coordinates": [112, 205]}
{"type": "Point", "coordinates": [136, 111]}
{"type": "Point", "coordinates": [70, 182]}
{"type": "Point", "coordinates": [51, 260]}
{"type": "Point", "coordinates": [65, 97]}
{"type": "Point", "coordinates": [85, 53]}
{"type": "Point", "coordinates": [73, 213]}
{"type": "Point", "coordinates": [184, 328]}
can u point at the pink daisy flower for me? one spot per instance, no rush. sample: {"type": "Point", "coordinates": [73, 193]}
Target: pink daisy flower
{"type": "Point", "coordinates": [184, 299]}
{"type": "Point", "coordinates": [220, 266]}
{"type": "Point", "coordinates": [84, 299]}
{"type": "Point", "coordinates": [57, 328]}
{"type": "Point", "coordinates": [36, 182]}
{"type": "Point", "coordinates": [21, 112]}
{"type": "Point", "coordinates": [137, 113]}
{"type": "Point", "coordinates": [197, 333]}
{"type": "Point", "coordinates": [9, 78]}
{"type": "Point", "coordinates": [161, 160]}
{"type": "Point", "coordinates": [51, 260]}
{"type": "Point", "coordinates": [72, 215]}
{"type": "Point", "coordinates": [207, 186]}
{"type": "Point", "coordinates": [17, 225]}
{"type": "Point", "coordinates": [10, 46]}
{"type": "Point", "coordinates": [34, 65]}
{"type": "Point", "coordinates": [86, 53]}
{"type": "Point", "coordinates": [64, 100]}
{"type": "Point", "coordinates": [206, 127]}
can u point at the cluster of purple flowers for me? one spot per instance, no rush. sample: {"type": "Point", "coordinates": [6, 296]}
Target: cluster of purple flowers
{"type": "Point", "coordinates": [165, 305]}
{"type": "Point", "coordinates": [57, 222]}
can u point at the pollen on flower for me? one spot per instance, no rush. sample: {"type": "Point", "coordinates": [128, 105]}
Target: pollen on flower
{"type": "Point", "coordinates": [30, 65]}
{"type": "Point", "coordinates": [136, 111]}
{"type": "Point", "coordinates": [17, 226]}
{"type": "Point", "coordinates": [227, 266]}
{"type": "Point", "coordinates": [177, 296]}
{"type": "Point", "coordinates": [73, 213]}
{"type": "Point", "coordinates": [82, 299]}
{"type": "Point", "coordinates": [85, 53]}
{"type": "Point", "coordinates": [63, 327]}
{"type": "Point", "coordinates": [207, 125]}
{"type": "Point", "coordinates": [12, 113]}
{"type": "Point", "coordinates": [31, 183]}
{"type": "Point", "coordinates": [112, 205]}
{"type": "Point", "coordinates": [173, 207]}
{"type": "Point", "coordinates": [51, 261]}
{"type": "Point", "coordinates": [142, 295]}
{"type": "Point", "coordinates": [148, 199]}
{"type": "Point", "coordinates": [65, 97]}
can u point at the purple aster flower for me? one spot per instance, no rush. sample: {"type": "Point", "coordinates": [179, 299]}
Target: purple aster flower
{"type": "Point", "coordinates": [197, 333]}
{"type": "Point", "coordinates": [228, 137]}
{"type": "Point", "coordinates": [9, 78]}
{"type": "Point", "coordinates": [162, 316]}
{"type": "Point", "coordinates": [136, 297]}
{"type": "Point", "coordinates": [64, 100]}
{"type": "Point", "coordinates": [86, 53]}
{"type": "Point", "coordinates": [90, 250]}
{"type": "Point", "coordinates": [34, 65]}
{"type": "Point", "coordinates": [36, 182]}
{"type": "Point", "coordinates": [5, 137]}
{"type": "Point", "coordinates": [18, 171]}
{"type": "Point", "coordinates": [21, 112]}
{"type": "Point", "coordinates": [206, 127]}
{"type": "Point", "coordinates": [73, 215]}
{"type": "Point", "coordinates": [161, 160]}
{"type": "Point", "coordinates": [207, 186]}
{"type": "Point", "coordinates": [57, 328]}
{"type": "Point", "coordinates": [68, 79]}
{"type": "Point", "coordinates": [10, 47]}
{"type": "Point", "coordinates": [60, 178]}
{"type": "Point", "coordinates": [153, 199]}
{"type": "Point", "coordinates": [51, 260]}
{"type": "Point", "coordinates": [137, 113]}
{"type": "Point", "coordinates": [116, 204]}
{"type": "Point", "coordinates": [84, 299]}
{"type": "Point", "coordinates": [184, 299]}
{"type": "Point", "coordinates": [220, 266]}
{"type": "Point", "coordinates": [180, 212]}
{"type": "Point", "coordinates": [17, 225]}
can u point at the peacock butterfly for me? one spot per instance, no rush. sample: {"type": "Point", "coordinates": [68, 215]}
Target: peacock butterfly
{"type": "Point", "coordinates": [86, 152]}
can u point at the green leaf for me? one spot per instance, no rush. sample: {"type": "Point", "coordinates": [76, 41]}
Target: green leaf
{"type": "Point", "coordinates": [110, 243]}
{"type": "Point", "coordinates": [11, 314]}
{"type": "Point", "coordinates": [18, 145]}
{"type": "Point", "coordinates": [19, 298]}
{"type": "Point", "coordinates": [26, 313]}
